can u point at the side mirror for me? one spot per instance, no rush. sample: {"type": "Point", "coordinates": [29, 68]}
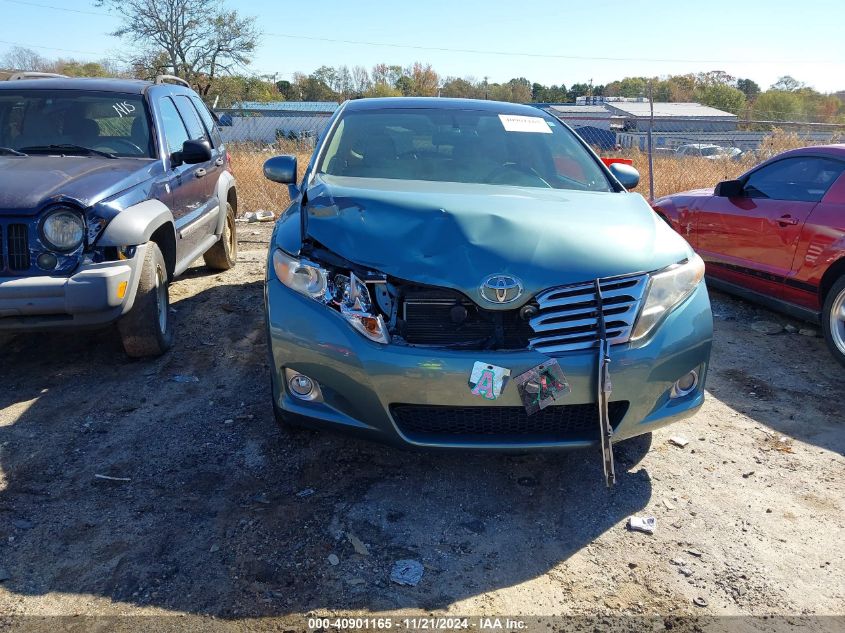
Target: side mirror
{"type": "Point", "coordinates": [193, 152]}
{"type": "Point", "coordinates": [729, 189]}
{"type": "Point", "coordinates": [627, 176]}
{"type": "Point", "coordinates": [281, 169]}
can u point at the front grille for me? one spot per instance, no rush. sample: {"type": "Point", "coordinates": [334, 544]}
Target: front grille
{"type": "Point", "coordinates": [427, 320]}
{"type": "Point", "coordinates": [17, 247]}
{"type": "Point", "coordinates": [492, 424]}
{"type": "Point", "coordinates": [568, 316]}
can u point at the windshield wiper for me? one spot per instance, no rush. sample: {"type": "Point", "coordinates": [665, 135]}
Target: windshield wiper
{"type": "Point", "coordinates": [9, 150]}
{"type": "Point", "coordinates": [69, 147]}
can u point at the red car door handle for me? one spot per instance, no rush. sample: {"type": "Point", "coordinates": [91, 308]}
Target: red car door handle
{"type": "Point", "coordinates": [787, 220]}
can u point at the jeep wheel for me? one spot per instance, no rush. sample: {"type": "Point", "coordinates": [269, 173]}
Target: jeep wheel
{"type": "Point", "coordinates": [146, 330]}
{"type": "Point", "coordinates": [833, 320]}
{"type": "Point", "coordinates": [224, 253]}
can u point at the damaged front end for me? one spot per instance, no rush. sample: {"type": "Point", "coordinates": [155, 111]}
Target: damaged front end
{"type": "Point", "coordinates": [389, 310]}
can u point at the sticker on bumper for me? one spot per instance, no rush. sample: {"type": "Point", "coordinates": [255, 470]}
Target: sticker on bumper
{"type": "Point", "coordinates": [487, 381]}
{"type": "Point", "coordinates": [541, 385]}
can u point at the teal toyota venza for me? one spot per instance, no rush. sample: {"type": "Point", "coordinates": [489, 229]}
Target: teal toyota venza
{"type": "Point", "coordinates": [440, 256]}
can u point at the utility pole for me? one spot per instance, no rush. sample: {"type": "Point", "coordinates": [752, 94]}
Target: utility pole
{"type": "Point", "coordinates": [650, 148]}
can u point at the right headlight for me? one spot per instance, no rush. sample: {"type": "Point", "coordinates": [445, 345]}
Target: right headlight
{"type": "Point", "coordinates": [666, 290]}
{"type": "Point", "coordinates": [63, 230]}
{"type": "Point", "coordinates": [348, 294]}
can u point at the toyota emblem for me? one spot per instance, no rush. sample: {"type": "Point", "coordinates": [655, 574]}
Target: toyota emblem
{"type": "Point", "coordinates": [501, 288]}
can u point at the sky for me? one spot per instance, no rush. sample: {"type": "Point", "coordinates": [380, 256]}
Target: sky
{"type": "Point", "coordinates": [549, 42]}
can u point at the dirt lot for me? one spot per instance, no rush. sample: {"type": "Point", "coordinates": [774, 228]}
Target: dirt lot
{"type": "Point", "coordinates": [216, 519]}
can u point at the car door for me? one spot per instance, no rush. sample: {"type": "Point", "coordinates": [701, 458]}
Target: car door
{"type": "Point", "coordinates": [188, 197]}
{"type": "Point", "coordinates": [751, 239]}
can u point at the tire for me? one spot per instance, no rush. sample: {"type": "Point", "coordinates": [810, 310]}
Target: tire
{"type": "Point", "coordinates": [147, 330]}
{"type": "Point", "coordinates": [224, 254]}
{"type": "Point", "coordinates": [833, 320]}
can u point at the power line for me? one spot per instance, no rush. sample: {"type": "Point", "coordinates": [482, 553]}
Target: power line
{"type": "Point", "coordinates": [55, 8]}
{"type": "Point", "coordinates": [471, 51]}
{"type": "Point", "coordinates": [50, 48]}
{"type": "Point", "coordinates": [541, 55]}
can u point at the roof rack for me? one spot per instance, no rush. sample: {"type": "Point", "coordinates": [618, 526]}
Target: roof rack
{"type": "Point", "coordinates": [31, 74]}
{"type": "Point", "coordinates": [160, 79]}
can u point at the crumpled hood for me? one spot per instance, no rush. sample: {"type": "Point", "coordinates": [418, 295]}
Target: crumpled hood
{"type": "Point", "coordinates": [27, 183]}
{"type": "Point", "coordinates": [454, 234]}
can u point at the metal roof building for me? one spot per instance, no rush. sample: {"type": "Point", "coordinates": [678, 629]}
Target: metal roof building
{"type": "Point", "coordinates": [265, 122]}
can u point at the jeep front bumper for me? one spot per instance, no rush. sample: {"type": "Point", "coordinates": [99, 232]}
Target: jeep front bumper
{"type": "Point", "coordinates": [95, 295]}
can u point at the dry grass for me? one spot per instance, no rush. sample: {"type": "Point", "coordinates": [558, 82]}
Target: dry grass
{"type": "Point", "coordinates": [254, 190]}
{"type": "Point", "coordinates": [671, 174]}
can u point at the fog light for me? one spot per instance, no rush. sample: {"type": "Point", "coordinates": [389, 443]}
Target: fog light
{"type": "Point", "coordinates": [685, 385]}
{"type": "Point", "coordinates": [301, 386]}
{"type": "Point", "coordinates": [47, 261]}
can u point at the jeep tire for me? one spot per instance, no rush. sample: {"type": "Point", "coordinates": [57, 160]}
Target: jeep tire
{"type": "Point", "coordinates": [833, 320]}
{"type": "Point", "coordinates": [224, 254]}
{"type": "Point", "coordinates": [147, 330]}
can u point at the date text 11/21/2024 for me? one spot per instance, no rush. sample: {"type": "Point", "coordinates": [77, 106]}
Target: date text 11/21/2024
{"type": "Point", "coordinates": [482, 623]}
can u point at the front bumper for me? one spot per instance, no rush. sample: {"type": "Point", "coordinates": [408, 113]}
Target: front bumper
{"type": "Point", "coordinates": [361, 380]}
{"type": "Point", "coordinates": [94, 295]}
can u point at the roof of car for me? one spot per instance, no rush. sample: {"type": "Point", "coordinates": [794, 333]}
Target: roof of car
{"type": "Point", "coordinates": [837, 150]}
{"type": "Point", "coordinates": [101, 84]}
{"type": "Point", "coordinates": [383, 103]}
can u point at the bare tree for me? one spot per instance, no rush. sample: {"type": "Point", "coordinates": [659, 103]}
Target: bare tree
{"type": "Point", "coordinates": [197, 39]}
{"type": "Point", "coordinates": [20, 58]}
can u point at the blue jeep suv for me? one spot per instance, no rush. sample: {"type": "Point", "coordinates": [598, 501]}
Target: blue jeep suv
{"type": "Point", "coordinates": [108, 190]}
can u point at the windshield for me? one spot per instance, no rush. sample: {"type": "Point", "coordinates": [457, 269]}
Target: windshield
{"type": "Point", "coordinates": [711, 151]}
{"type": "Point", "coordinates": [468, 146]}
{"type": "Point", "coordinates": [33, 120]}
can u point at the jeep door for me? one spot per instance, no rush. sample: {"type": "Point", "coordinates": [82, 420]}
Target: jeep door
{"type": "Point", "coordinates": [189, 199]}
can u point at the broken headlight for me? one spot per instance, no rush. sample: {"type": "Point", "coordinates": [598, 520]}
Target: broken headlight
{"type": "Point", "coordinates": [346, 293]}
{"type": "Point", "coordinates": [666, 290]}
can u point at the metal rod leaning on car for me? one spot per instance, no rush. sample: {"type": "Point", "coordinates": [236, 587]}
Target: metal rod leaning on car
{"type": "Point", "coordinates": [604, 390]}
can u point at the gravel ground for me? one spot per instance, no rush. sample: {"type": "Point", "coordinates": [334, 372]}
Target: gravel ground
{"type": "Point", "coordinates": [224, 518]}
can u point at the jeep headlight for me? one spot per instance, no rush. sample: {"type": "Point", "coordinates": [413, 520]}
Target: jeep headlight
{"type": "Point", "coordinates": [346, 293]}
{"type": "Point", "coordinates": [666, 290]}
{"type": "Point", "coordinates": [63, 229]}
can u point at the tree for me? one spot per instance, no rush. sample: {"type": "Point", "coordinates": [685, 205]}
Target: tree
{"type": "Point", "coordinates": [628, 87]}
{"type": "Point", "coordinates": [787, 83]}
{"type": "Point", "coordinates": [287, 90]}
{"type": "Point", "coordinates": [777, 105]}
{"type": "Point", "coordinates": [749, 88]}
{"type": "Point", "coordinates": [198, 39]}
{"type": "Point", "coordinates": [426, 81]}
{"type": "Point", "coordinates": [723, 97]}
{"type": "Point", "coordinates": [20, 58]}
{"type": "Point", "coordinates": [461, 88]}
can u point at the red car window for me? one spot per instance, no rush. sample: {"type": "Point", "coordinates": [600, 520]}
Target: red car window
{"type": "Point", "coordinates": [804, 178]}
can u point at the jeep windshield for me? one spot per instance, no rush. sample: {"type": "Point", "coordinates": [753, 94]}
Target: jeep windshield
{"type": "Point", "coordinates": [75, 123]}
{"type": "Point", "coordinates": [468, 146]}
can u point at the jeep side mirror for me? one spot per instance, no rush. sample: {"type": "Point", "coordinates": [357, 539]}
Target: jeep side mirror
{"type": "Point", "coordinates": [281, 169]}
{"type": "Point", "coordinates": [627, 176]}
{"type": "Point", "coordinates": [192, 152]}
{"type": "Point", "coordinates": [729, 189]}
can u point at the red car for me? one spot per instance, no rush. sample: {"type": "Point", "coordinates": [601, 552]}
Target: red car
{"type": "Point", "coordinates": [776, 235]}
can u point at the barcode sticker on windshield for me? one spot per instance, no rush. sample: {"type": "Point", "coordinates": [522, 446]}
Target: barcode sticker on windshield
{"type": "Point", "coordinates": [516, 123]}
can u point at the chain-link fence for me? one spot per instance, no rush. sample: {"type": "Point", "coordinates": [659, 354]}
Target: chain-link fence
{"type": "Point", "coordinates": [672, 153]}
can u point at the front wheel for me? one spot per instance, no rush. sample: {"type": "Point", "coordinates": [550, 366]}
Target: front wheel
{"type": "Point", "coordinates": [224, 254]}
{"type": "Point", "coordinates": [833, 320]}
{"type": "Point", "coordinates": [146, 330]}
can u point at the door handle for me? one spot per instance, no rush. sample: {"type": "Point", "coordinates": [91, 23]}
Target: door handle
{"type": "Point", "coordinates": [219, 162]}
{"type": "Point", "coordinates": [199, 173]}
{"type": "Point", "coordinates": [787, 220]}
